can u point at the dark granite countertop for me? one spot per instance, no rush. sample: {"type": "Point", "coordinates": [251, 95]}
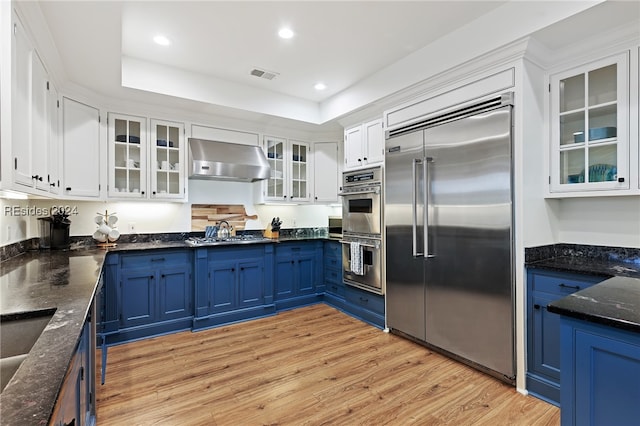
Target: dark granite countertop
{"type": "Point", "coordinates": [32, 281]}
{"type": "Point", "coordinates": [592, 260]}
{"type": "Point", "coordinates": [614, 302]}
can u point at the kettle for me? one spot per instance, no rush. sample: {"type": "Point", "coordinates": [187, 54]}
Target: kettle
{"type": "Point", "coordinates": [225, 230]}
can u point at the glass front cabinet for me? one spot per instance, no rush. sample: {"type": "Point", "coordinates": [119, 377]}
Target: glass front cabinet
{"type": "Point", "coordinates": [142, 167]}
{"type": "Point", "coordinates": [590, 127]}
{"type": "Point", "coordinates": [127, 143]}
{"type": "Point", "coordinates": [290, 170]}
{"type": "Point", "coordinates": [167, 160]}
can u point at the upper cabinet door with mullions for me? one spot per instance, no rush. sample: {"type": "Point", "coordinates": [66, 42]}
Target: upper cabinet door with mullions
{"type": "Point", "coordinates": [590, 127]}
{"type": "Point", "coordinates": [290, 170]}
{"type": "Point", "coordinates": [127, 156]}
{"type": "Point", "coordinates": [167, 159]}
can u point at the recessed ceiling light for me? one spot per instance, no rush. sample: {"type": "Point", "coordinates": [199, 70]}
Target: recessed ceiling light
{"type": "Point", "coordinates": [161, 40]}
{"type": "Point", "coordinates": [285, 33]}
{"type": "Point", "coordinates": [320, 86]}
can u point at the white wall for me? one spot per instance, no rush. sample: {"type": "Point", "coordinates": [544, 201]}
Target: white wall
{"type": "Point", "coordinates": [16, 222]}
{"type": "Point", "coordinates": [606, 221]}
{"type": "Point", "coordinates": [158, 217]}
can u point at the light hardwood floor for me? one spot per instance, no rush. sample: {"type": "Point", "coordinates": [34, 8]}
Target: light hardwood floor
{"type": "Point", "coordinates": [309, 366]}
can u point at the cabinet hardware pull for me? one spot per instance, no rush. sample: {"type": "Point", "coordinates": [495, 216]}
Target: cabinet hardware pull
{"type": "Point", "coordinates": [162, 276]}
{"type": "Point", "coordinates": [365, 158]}
{"type": "Point", "coordinates": [242, 268]}
{"type": "Point", "coordinates": [68, 188]}
{"type": "Point", "coordinates": [150, 277]}
{"type": "Point", "coordinates": [157, 259]}
{"type": "Point", "coordinates": [563, 285]}
{"type": "Point", "coordinates": [536, 306]}
{"type": "Point", "coordinates": [233, 269]}
{"type": "Point", "coordinates": [620, 179]}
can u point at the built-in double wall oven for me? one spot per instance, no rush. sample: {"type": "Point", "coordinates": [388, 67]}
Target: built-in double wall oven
{"type": "Point", "coordinates": [362, 229]}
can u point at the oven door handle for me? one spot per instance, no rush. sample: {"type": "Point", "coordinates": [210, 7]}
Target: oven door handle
{"type": "Point", "coordinates": [375, 245]}
{"type": "Point", "coordinates": [358, 192]}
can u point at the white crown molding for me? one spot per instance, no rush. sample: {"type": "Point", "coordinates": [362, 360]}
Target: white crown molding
{"type": "Point", "coordinates": [598, 45]}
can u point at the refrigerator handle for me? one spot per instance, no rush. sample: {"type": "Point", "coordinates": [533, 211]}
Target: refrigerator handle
{"type": "Point", "coordinates": [426, 189]}
{"type": "Point", "coordinates": [414, 205]}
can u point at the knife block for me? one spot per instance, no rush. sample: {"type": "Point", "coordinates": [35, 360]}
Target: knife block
{"type": "Point", "coordinates": [270, 233]}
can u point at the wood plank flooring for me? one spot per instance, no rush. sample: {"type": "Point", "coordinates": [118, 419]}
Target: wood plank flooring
{"type": "Point", "coordinates": [310, 366]}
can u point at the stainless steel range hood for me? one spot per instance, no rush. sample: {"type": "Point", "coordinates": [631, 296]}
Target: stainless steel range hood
{"type": "Point", "coordinates": [226, 161]}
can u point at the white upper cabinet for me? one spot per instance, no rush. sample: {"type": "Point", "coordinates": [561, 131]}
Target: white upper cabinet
{"type": "Point", "coordinates": [81, 150]}
{"type": "Point", "coordinates": [326, 174]}
{"type": "Point", "coordinates": [21, 105]}
{"type": "Point", "coordinates": [33, 116]}
{"type": "Point", "coordinates": [54, 177]}
{"type": "Point", "coordinates": [590, 128]}
{"type": "Point", "coordinates": [290, 163]}
{"type": "Point", "coordinates": [145, 164]}
{"type": "Point", "coordinates": [364, 145]}
{"type": "Point", "coordinates": [127, 147]}
{"type": "Point", "coordinates": [167, 165]}
{"type": "Point", "coordinates": [39, 123]}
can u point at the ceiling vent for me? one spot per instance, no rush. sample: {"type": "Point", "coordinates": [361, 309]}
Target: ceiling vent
{"type": "Point", "coordinates": [269, 75]}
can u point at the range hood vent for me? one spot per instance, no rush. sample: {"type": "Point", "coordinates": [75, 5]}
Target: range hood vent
{"type": "Point", "coordinates": [226, 161]}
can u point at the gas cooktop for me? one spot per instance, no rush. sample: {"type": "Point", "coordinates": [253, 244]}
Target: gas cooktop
{"type": "Point", "coordinates": [237, 239]}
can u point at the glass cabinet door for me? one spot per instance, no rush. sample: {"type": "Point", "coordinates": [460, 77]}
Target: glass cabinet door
{"type": "Point", "coordinates": [167, 159]}
{"type": "Point", "coordinates": [299, 171]}
{"type": "Point", "coordinates": [275, 148]}
{"type": "Point", "coordinates": [589, 121]}
{"type": "Point", "coordinates": [127, 156]}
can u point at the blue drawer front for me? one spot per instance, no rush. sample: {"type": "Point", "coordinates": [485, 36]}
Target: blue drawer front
{"type": "Point", "coordinates": [365, 299]}
{"type": "Point", "coordinates": [158, 258]}
{"type": "Point", "coordinates": [561, 284]}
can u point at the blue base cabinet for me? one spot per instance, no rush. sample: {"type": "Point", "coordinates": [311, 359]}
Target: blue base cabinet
{"type": "Point", "coordinates": [76, 401]}
{"type": "Point", "coordinates": [600, 375]}
{"type": "Point", "coordinates": [233, 284]}
{"type": "Point", "coordinates": [332, 262]}
{"type": "Point", "coordinates": [298, 273]}
{"type": "Point", "coordinates": [146, 293]}
{"type": "Point", "coordinates": [543, 328]}
{"type": "Point", "coordinates": [152, 292]}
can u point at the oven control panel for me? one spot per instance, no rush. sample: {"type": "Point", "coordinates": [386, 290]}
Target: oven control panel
{"type": "Point", "coordinates": [362, 177]}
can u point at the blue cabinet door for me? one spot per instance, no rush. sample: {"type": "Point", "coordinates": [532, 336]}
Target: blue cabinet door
{"type": "Point", "coordinates": [543, 328]}
{"type": "Point", "coordinates": [305, 274]}
{"type": "Point", "coordinates": [600, 375]}
{"type": "Point", "coordinates": [137, 298]}
{"type": "Point", "coordinates": [544, 356]}
{"type": "Point", "coordinates": [251, 283]}
{"type": "Point", "coordinates": [222, 286]}
{"type": "Point", "coordinates": [284, 278]}
{"type": "Point", "coordinates": [298, 269]}
{"type": "Point", "coordinates": [175, 292]}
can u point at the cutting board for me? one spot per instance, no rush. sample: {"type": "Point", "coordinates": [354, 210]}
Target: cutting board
{"type": "Point", "coordinates": [203, 215]}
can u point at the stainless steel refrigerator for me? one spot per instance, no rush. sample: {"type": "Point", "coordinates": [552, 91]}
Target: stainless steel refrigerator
{"type": "Point", "coordinates": [448, 223]}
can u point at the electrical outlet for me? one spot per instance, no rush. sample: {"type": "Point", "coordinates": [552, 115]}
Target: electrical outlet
{"type": "Point", "coordinates": [132, 227]}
